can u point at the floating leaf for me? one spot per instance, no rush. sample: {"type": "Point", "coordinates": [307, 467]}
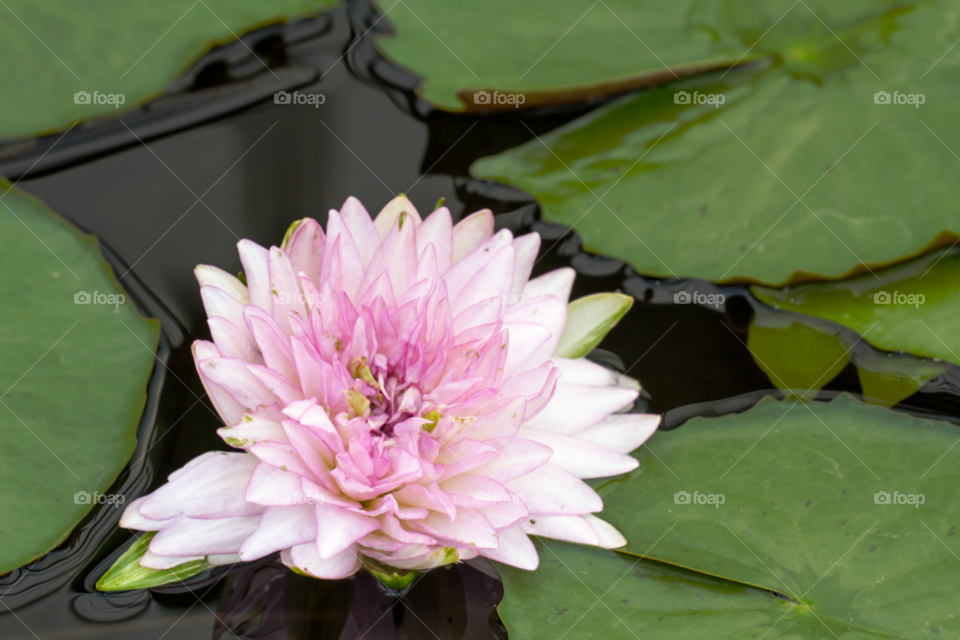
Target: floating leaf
{"type": "Point", "coordinates": [589, 320]}
{"type": "Point", "coordinates": [911, 307]}
{"type": "Point", "coordinates": [847, 508]}
{"type": "Point", "coordinates": [588, 593]}
{"type": "Point", "coordinates": [126, 573]}
{"type": "Point", "coordinates": [804, 171]}
{"type": "Point", "coordinates": [133, 49]}
{"type": "Point", "coordinates": [549, 51]}
{"type": "Point", "coordinates": [76, 358]}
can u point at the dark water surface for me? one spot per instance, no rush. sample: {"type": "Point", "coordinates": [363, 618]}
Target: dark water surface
{"type": "Point", "coordinates": [186, 198]}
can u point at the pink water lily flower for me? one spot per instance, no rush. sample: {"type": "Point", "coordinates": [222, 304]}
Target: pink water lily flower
{"type": "Point", "coordinates": [398, 391]}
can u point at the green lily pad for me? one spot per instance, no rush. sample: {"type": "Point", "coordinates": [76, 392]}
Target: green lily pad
{"type": "Point", "coordinates": [798, 175]}
{"type": "Point", "coordinates": [801, 354]}
{"type": "Point", "coordinates": [847, 508]}
{"type": "Point", "coordinates": [586, 593]}
{"type": "Point", "coordinates": [77, 356]}
{"type": "Point", "coordinates": [134, 49]}
{"type": "Point", "coordinates": [549, 51]}
{"type": "Point", "coordinates": [911, 307]}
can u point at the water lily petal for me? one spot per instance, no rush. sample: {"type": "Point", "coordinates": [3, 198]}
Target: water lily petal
{"type": "Point", "coordinates": [621, 432]}
{"type": "Point", "coordinates": [553, 491]}
{"type": "Point", "coordinates": [212, 489]}
{"type": "Point", "coordinates": [515, 549]}
{"type": "Point", "coordinates": [471, 232]}
{"type": "Point", "coordinates": [574, 407]}
{"type": "Point", "coordinates": [186, 537]}
{"type": "Point", "coordinates": [280, 528]}
{"type": "Point", "coordinates": [338, 529]}
{"type": "Point", "coordinates": [216, 277]}
{"type": "Point", "coordinates": [305, 558]}
{"type": "Point", "coordinates": [582, 459]}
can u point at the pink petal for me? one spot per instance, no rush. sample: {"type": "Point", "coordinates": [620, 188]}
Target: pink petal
{"type": "Point", "coordinates": [305, 558]}
{"type": "Point", "coordinates": [211, 489]}
{"type": "Point", "coordinates": [536, 386]}
{"type": "Point", "coordinates": [471, 232]}
{"type": "Point", "coordinates": [252, 429]}
{"type": "Point", "coordinates": [467, 490]}
{"type": "Point", "coordinates": [273, 343]}
{"type": "Point", "coordinates": [526, 340]}
{"type": "Point", "coordinates": [341, 258]}
{"type": "Point", "coordinates": [505, 515]}
{"type": "Point", "coordinates": [338, 529]}
{"type": "Point", "coordinates": [228, 408]}
{"type": "Point", "coordinates": [457, 277]}
{"type": "Point", "coordinates": [270, 486]}
{"type": "Point", "coordinates": [515, 549]}
{"type": "Point", "coordinates": [305, 248]}
{"type": "Point", "coordinates": [217, 303]}
{"type": "Point", "coordinates": [188, 537]}
{"type": "Point", "coordinates": [280, 528]}
{"type": "Point", "coordinates": [493, 280]}
{"type": "Point", "coordinates": [132, 519]}
{"type": "Point", "coordinates": [233, 342]}
{"type": "Point", "coordinates": [232, 375]}
{"type": "Point", "coordinates": [470, 528]}
{"type": "Point", "coordinates": [276, 384]}
{"type": "Point", "coordinates": [285, 288]}
{"type": "Point", "coordinates": [518, 457]}
{"type": "Point", "coordinates": [397, 256]}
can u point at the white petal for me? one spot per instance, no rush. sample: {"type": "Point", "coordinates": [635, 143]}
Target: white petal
{"type": "Point", "coordinates": [553, 491]}
{"type": "Point", "coordinates": [188, 537]}
{"type": "Point", "coordinates": [150, 560]}
{"type": "Point", "coordinates": [515, 549]}
{"type": "Point", "coordinates": [574, 407]}
{"type": "Point", "coordinates": [280, 528]}
{"type": "Point", "coordinates": [526, 247]}
{"type": "Point", "coordinates": [582, 371]}
{"type": "Point", "coordinates": [256, 270]}
{"type": "Point", "coordinates": [215, 277]}
{"type": "Point", "coordinates": [610, 538]}
{"type": "Point", "coordinates": [214, 489]}
{"type": "Point", "coordinates": [569, 528]}
{"type": "Point", "coordinates": [557, 283]}
{"type": "Point", "coordinates": [582, 459]}
{"type": "Point", "coordinates": [229, 409]}
{"type": "Point", "coordinates": [305, 558]}
{"type": "Point", "coordinates": [131, 518]}
{"type": "Point", "coordinates": [621, 432]}
{"type": "Point", "coordinates": [471, 232]}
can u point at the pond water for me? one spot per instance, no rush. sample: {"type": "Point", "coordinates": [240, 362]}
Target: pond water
{"type": "Point", "coordinates": [186, 198]}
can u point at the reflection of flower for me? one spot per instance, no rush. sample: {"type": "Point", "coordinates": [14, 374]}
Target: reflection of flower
{"type": "Point", "coordinates": [393, 420]}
